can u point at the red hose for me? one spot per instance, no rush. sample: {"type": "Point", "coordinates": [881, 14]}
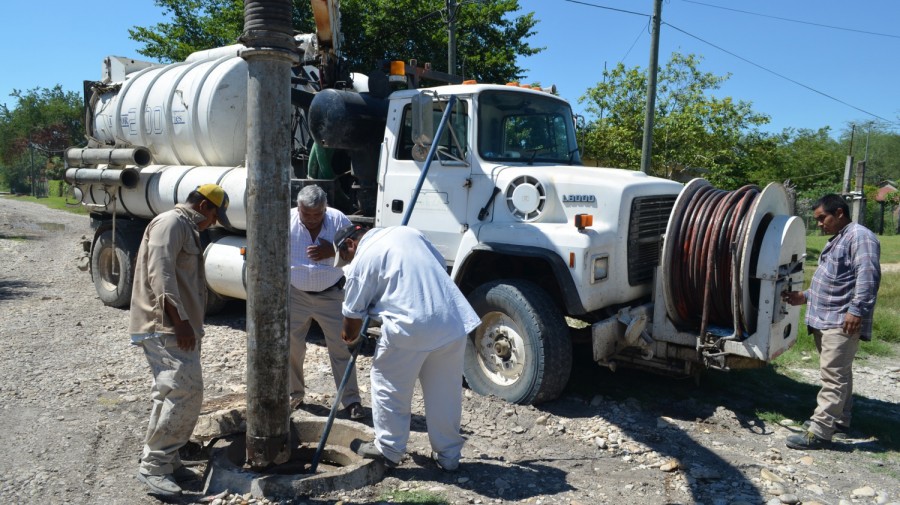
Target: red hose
{"type": "Point", "coordinates": [714, 224]}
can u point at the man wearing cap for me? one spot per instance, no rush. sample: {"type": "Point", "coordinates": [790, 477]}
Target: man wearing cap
{"type": "Point", "coordinates": [317, 293]}
{"type": "Point", "coordinates": [168, 302]}
{"type": "Point", "coordinates": [398, 277]}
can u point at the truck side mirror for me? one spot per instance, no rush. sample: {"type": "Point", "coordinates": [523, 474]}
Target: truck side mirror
{"type": "Point", "coordinates": [422, 120]}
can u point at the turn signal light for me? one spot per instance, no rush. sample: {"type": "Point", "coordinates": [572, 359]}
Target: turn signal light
{"type": "Point", "coordinates": [582, 221]}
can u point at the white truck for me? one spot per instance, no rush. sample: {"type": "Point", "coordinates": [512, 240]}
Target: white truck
{"type": "Point", "coordinates": [548, 251]}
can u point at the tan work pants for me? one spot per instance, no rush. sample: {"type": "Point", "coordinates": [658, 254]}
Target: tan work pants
{"type": "Point", "coordinates": [835, 399]}
{"type": "Point", "coordinates": [325, 308]}
{"type": "Point", "coordinates": [177, 396]}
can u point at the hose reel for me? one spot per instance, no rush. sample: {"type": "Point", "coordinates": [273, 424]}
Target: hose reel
{"type": "Point", "coordinates": [711, 251]}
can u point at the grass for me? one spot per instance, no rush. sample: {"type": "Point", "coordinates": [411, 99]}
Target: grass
{"type": "Point", "coordinates": [54, 202]}
{"type": "Point", "coordinates": [413, 496]}
{"type": "Point", "coordinates": [890, 248]}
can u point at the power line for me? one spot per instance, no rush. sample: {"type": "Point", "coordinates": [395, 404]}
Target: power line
{"type": "Point", "coordinates": [826, 95]}
{"type": "Point", "coordinates": [640, 33]}
{"type": "Point", "coordinates": [793, 20]}
{"type": "Point", "coordinates": [609, 8]}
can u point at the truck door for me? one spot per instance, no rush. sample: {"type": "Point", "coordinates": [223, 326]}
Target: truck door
{"type": "Point", "coordinates": [441, 210]}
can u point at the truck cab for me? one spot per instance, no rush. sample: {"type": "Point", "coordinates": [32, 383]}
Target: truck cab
{"type": "Point", "coordinates": [504, 201]}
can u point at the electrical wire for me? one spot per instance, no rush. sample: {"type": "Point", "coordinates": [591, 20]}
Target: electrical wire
{"type": "Point", "coordinates": [798, 83]}
{"type": "Point", "coordinates": [807, 87]}
{"type": "Point", "coordinates": [609, 8]}
{"type": "Point", "coordinates": [640, 33]}
{"type": "Point", "coordinates": [793, 20]}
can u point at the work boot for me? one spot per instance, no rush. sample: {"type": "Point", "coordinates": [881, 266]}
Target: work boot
{"type": "Point", "coordinates": [186, 473]}
{"type": "Point", "coordinates": [369, 451]}
{"type": "Point", "coordinates": [808, 441]}
{"type": "Point", "coordinates": [841, 432]}
{"type": "Point", "coordinates": [356, 411]}
{"type": "Point", "coordinates": [161, 485]}
{"type": "Point", "coordinates": [445, 465]}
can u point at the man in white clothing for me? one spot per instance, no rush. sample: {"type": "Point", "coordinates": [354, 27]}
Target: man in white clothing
{"type": "Point", "coordinates": [317, 293]}
{"type": "Point", "coordinates": [398, 277]}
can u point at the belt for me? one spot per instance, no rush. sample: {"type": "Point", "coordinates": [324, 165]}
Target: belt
{"type": "Point", "coordinates": [337, 285]}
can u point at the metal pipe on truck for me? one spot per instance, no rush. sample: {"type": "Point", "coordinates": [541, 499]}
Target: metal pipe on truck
{"type": "Point", "coordinates": [84, 156]}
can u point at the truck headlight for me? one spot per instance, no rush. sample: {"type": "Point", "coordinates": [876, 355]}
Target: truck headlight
{"type": "Point", "coordinates": [601, 268]}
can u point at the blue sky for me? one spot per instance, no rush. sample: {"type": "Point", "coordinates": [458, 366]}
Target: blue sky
{"type": "Point", "coordinates": [63, 42]}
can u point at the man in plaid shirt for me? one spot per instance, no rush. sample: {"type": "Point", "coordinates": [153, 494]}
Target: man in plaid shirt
{"type": "Point", "coordinates": [841, 303]}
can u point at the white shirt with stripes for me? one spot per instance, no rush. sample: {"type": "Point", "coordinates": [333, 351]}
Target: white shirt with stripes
{"type": "Point", "coordinates": [306, 274]}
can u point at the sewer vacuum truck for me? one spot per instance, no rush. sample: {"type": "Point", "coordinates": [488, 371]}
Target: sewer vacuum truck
{"type": "Point", "coordinates": [643, 271]}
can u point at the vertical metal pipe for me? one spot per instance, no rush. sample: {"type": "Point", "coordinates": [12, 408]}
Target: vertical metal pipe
{"type": "Point", "coordinates": [647, 144]}
{"type": "Point", "coordinates": [269, 54]}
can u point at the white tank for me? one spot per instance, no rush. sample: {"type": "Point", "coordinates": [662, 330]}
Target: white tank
{"type": "Point", "coordinates": [189, 113]}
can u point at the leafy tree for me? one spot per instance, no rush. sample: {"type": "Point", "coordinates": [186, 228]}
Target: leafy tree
{"type": "Point", "coordinates": [43, 123]}
{"type": "Point", "coordinates": [811, 160]}
{"type": "Point", "coordinates": [882, 154]}
{"type": "Point", "coordinates": [488, 38]}
{"type": "Point", "coordinates": [202, 24]}
{"type": "Point", "coordinates": [695, 132]}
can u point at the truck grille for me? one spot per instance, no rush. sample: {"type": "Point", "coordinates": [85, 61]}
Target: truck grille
{"type": "Point", "coordinates": [649, 217]}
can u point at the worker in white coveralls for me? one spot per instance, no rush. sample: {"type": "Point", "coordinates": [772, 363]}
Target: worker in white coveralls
{"type": "Point", "coordinates": [317, 293]}
{"type": "Point", "coordinates": [398, 277]}
{"type": "Point", "coordinates": [168, 303]}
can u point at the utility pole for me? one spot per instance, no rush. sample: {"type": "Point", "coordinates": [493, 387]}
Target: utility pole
{"type": "Point", "coordinates": [647, 146]}
{"type": "Point", "coordinates": [848, 166]}
{"type": "Point", "coordinates": [858, 203]}
{"type": "Point", "coordinates": [452, 7]}
{"type": "Point", "coordinates": [31, 150]}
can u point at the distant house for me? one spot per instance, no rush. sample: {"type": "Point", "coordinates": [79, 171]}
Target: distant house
{"type": "Point", "coordinates": [884, 189]}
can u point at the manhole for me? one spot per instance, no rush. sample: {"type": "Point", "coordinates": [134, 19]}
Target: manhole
{"type": "Point", "coordinates": [339, 467]}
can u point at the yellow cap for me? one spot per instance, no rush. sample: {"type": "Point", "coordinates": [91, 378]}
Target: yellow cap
{"type": "Point", "coordinates": [215, 194]}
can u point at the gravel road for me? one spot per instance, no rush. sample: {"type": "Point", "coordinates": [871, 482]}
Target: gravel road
{"type": "Point", "coordinates": [74, 403]}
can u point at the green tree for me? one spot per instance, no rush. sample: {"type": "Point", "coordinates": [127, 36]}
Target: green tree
{"type": "Point", "coordinates": [202, 24]}
{"type": "Point", "coordinates": [882, 154]}
{"type": "Point", "coordinates": [489, 38]}
{"type": "Point", "coordinates": [811, 159]}
{"type": "Point", "coordinates": [43, 123]}
{"type": "Point", "coordinates": [695, 133]}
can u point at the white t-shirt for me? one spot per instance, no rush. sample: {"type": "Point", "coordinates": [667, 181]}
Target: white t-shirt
{"type": "Point", "coordinates": [399, 278]}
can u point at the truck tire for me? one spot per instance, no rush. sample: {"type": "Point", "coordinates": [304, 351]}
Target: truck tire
{"type": "Point", "coordinates": [214, 302]}
{"type": "Point", "coordinates": [113, 268]}
{"type": "Point", "coordinates": [521, 352]}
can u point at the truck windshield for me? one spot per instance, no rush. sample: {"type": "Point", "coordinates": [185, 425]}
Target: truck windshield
{"type": "Point", "coordinates": [525, 127]}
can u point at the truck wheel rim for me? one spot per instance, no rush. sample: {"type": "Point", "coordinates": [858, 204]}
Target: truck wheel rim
{"type": "Point", "coordinates": [501, 349]}
{"type": "Point", "coordinates": [109, 268]}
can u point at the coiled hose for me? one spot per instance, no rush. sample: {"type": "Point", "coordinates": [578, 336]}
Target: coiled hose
{"type": "Point", "coordinates": [707, 257]}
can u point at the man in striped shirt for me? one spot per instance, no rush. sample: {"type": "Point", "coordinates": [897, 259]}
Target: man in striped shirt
{"type": "Point", "coordinates": [317, 293]}
{"type": "Point", "coordinates": [841, 304]}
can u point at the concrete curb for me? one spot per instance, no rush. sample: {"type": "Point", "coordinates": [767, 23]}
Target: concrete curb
{"type": "Point", "coordinates": [344, 469]}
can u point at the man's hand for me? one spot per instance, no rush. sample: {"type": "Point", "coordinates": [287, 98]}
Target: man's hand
{"type": "Point", "coordinates": [350, 331]}
{"type": "Point", "coordinates": [320, 251]}
{"type": "Point", "coordinates": [184, 334]}
{"type": "Point", "coordinates": [852, 324]}
{"type": "Point", "coordinates": [794, 297]}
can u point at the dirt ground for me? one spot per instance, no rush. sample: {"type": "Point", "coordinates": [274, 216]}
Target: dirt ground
{"type": "Point", "coordinates": [74, 402]}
